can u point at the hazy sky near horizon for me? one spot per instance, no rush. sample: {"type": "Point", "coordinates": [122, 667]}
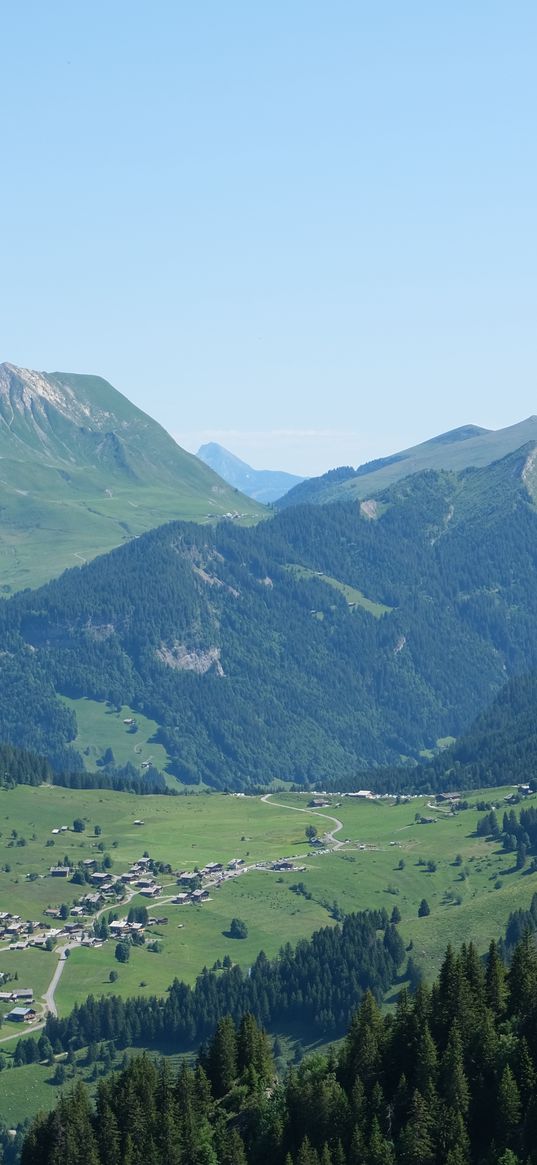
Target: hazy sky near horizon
{"type": "Point", "coordinates": [305, 230]}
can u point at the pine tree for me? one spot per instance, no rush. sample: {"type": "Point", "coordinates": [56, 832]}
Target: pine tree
{"type": "Point", "coordinates": [508, 1108]}
{"type": "Point", "coordinates": [453, 1082]}
{"type": "Point", "coordinates": [222, 1057]}
{"type": "Point", "coordinates": [525, 1071]}
{"type": "Point", "coordinates": [380, 1151]}
{"type": "Point", "coordinates": [522, 976]}
{"type": "Point", "coordinates": [306, 1154]}
{"type": "Point", "coordinates": [426, 1073]}
{"type": "Point", "coordinates": [496, 989]}
{"type": "Point", "coordinates": [338, 1155]}
{"type": "Point", "coordinates": [357, 1148]}
{"type": "Point", "coordinates": [417, 1141]}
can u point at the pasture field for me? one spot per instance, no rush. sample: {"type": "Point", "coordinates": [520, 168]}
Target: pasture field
{"type": "Point", "coordinates": [101, 727]}
{"type": "Point", "coordinates": [470, 899]}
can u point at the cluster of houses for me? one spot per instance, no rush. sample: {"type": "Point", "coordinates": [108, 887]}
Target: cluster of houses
{"type": "Point", "coordinates": [195, 884]}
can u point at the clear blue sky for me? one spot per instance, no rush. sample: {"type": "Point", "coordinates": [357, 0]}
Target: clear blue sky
{"type": "Point", "coordinates": [307, 230]}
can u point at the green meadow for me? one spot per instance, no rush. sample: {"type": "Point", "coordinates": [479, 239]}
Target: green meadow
{"type": "Point", "coordinates": [473, 898]}
{"type": "Point", "coordinates": [468, 900]}
{"type": "Point", "coordinates": [101, 727]}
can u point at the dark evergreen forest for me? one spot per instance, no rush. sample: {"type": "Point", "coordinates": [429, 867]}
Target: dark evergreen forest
{"type": "Point", "coordinates": [448, 1079]}
{"type": "Point", "coordinates": [318, 984]}
{"type": "Point", "coordinates": [256, 665]}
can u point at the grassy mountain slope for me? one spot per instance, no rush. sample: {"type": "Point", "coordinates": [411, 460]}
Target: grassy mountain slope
{"type": "Point", "coordinates": [457, 450]}
{"type": "Point", "coordinates": [251, 651]}
{"type": "Point", "coordinates": [83, 470]}
{"type": "Point", "coordinates": [264, 485]}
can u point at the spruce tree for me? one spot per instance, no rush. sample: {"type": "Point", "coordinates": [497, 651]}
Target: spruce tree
{"type": "Point", "coordinates": [222, 1057]}
{"type": "Point", "coordinates": [380, 1149]}
{"type": "Point", "coordinates": [508, 1108]}
{"type": "Point", "coordinates": [417, 1140]}
{"type": "Point", "coordinates": [496, 989]}
{"type": "Point", "coordinates": [453, 1082]}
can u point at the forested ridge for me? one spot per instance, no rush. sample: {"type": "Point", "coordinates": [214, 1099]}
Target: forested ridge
{"type": "Point", "coordinates": [240, 645]}
{"type": "Point", "coordinates": [499, 748]}
{"type": "Point", "coordinates": [448, 1079]}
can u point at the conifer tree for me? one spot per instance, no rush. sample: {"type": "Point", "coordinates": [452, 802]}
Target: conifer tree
{"type": "Point", "coordinates": [222, 1057]}
{"type": "Point", "coordinates": [306, 1154]}
{"type": "Point", "coordinates": [426, 1073]}
{"type": "Point", "coordinates": [453, 1082]}
{"type": "Point", "coordinates": [525, 1071]}
{"type": "Point", "coordinates": [522, 977]}
{"type": "Point", "coordinates": [380, 1150]}
{"type": "Point", "coordinates": [508, 1109]}
{"type": "Point", "coordinates": [496, 990]}
{"type": "Point", "coordinates": [417, 1141]}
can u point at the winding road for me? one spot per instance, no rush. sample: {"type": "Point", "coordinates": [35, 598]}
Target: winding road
{"type": "Point", "coordinates": [311, 813]}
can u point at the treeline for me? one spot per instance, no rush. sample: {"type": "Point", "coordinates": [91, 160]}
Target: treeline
{"type": "Point", "coordinates": [255, 671]}
{"type": "Point", "coordinates": [318, 983]}
{"type": "Point", "coordinates": [125, 779]}
{"type": "Point", "coordinates": [20, 766]}
{"type": "Point", "coordinates": [448, 1079]}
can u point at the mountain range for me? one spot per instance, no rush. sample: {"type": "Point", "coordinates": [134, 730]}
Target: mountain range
{"type": "Point", "coordinates": [308, 647]}
{"type": "Point", "coordinates": [263, 485]}
{"type": "Point", "coordinates": [83, 470]}
{"type": "Point", "coordinates": [462, 448]}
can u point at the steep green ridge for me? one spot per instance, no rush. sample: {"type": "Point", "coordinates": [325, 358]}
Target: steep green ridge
{"type": "Point", "coordinates": [459, 449]}
{"type": "Point", "coordinates": [83, 470]}
{"type": "Point", "coordinates": [254, 673]}
{"type": "Point", "coordinates": [264, 485]}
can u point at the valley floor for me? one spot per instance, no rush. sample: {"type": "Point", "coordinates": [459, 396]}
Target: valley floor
{"type": "Point", "coordinates": [369, 854]}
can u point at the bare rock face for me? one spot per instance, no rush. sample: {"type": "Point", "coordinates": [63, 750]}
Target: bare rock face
{"type": "Point", "coordinates": [181, 658]}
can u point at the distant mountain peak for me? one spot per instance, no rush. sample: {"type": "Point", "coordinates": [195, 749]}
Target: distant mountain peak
{"type": "Point", "coordinates": [263, 485]}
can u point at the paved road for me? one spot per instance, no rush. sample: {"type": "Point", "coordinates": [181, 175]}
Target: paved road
{"type": "Point", "coordinates": [48, 996]}
{"type": "Point", "coordinates": [312, 813]}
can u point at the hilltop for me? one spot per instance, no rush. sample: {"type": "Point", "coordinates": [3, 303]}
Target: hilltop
{"type": "Point", "coordinates": [82, 470]}
{"type": "Point", "coordinates": [322, 642]}
{"type": "Point", "coordinates": [264, 485]}
{"type": "Point", "coordinates": [462, 448]}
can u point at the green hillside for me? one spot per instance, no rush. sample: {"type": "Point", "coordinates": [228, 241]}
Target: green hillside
{"type": "Point", "coordinates": [83, 470]}
{"type": "Point", "coordinates": [468, 446]}
{"type": "Point", "coordinates": [306, 648]}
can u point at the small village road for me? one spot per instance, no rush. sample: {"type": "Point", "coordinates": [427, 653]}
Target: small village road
{"type": "Point", "coordinates": [48, 996]}
{"type": "Point", "coordinates": [312, 813]}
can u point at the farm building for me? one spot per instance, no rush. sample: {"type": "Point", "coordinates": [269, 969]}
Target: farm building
{"type": "Point", "coordinates": [22, 1014]}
